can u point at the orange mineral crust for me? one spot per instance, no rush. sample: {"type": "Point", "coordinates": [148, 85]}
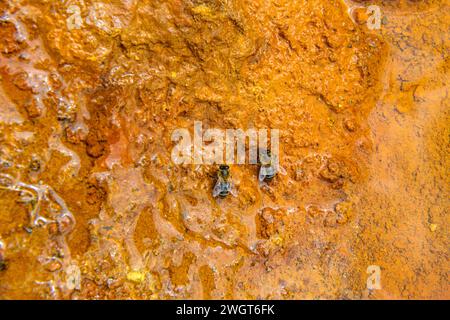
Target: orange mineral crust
{"type": "Point", "coordinates": [93, 205]}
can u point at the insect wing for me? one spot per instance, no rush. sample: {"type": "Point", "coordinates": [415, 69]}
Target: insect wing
{"type": "Point", "coordinates": [222, 187]}
{"type": "Point", "coordinates": [233, 190]}
{"type": "Point", "coordinates": [262, 173]}
{"type": "Point", "coordinates": [217, 188]}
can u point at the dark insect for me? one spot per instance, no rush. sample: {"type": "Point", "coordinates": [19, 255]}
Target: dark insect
{"type": "Point", "coordinates": [267, 170]}
{"type": "Point", "coordinates": [223, 185]}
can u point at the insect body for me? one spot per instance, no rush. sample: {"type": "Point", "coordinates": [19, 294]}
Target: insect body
{"type": "Point", "coordinates": [267, 171]}
{"type": "Point", "coordinates": [223, 186]}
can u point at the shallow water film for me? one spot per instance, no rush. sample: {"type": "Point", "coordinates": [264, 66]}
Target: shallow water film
{"type": "Point", "coordinates": [117, 179]}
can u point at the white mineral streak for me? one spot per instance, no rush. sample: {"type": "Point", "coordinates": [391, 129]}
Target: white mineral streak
{"type": "Point", "coordinates": [128, 196]}
{"type": "Point", "coordinates": [73, 166]}
{"type": "Point", "coordinates": [38, 196]}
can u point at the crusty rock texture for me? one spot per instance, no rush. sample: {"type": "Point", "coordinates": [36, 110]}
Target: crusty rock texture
{"type": "Point", "coordinates": [93, 207]}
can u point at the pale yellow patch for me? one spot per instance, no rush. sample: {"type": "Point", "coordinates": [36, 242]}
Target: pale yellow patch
{"type": "Point", "coordinates": [136, 276]}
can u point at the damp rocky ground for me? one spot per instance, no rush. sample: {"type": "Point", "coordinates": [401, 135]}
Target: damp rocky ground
{"type": "Point", "coordinates": [93, 207]}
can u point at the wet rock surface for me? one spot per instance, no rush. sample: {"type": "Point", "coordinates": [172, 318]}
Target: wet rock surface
{"type": "Point", "coordinates": [93, 207]}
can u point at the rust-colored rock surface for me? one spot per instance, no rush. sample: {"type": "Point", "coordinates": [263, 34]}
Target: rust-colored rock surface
{"type": "Point", "coordinates": [92, 206]}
